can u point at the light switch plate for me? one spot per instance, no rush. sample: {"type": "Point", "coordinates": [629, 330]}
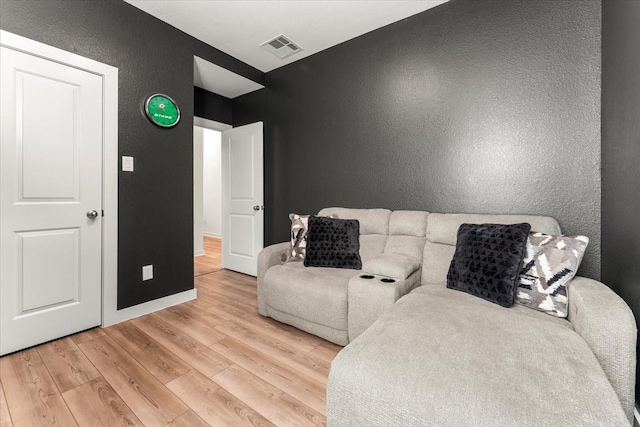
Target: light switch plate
{"type": "Point", "coordinates": [127, 164]}
{"type": "Point", "coordinates": [147, 272]}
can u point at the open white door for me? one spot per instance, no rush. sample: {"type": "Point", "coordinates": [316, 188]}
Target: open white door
{"type": "Point", "coordinates": [242, 198]}
{"type": "Point", "coordinates": [50, 200]}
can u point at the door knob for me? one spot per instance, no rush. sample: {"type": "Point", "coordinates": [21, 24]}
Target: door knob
{"type": "Point", "coordinates": [92, 214]}
{"type": "Point", "coordinates": [256, 208]}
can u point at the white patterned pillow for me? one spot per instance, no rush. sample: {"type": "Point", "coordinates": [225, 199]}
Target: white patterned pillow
{"type": "Point", "coordinates": [299, 229]}
{"type": "Point", "coordinates": [549, 265]}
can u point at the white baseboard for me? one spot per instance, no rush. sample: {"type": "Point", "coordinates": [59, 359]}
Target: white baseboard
{"type": "Point", "coordinates": [150, 307]}
{"type": "Point", "coordinates": [198, 253]}
{"type": "Point", "coordinates": [217, 236]}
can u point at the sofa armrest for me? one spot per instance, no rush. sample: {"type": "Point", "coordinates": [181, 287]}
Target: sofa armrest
{"type": "Point", "coordinates": [268, 257]}
{"type": "Point", "coordinates": [607, 324]}
{"type": "Point", "coordinates": [391, 265]}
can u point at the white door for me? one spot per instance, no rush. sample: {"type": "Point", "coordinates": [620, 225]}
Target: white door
{"type": "Point", "coordinates": [50, 201]}
{"type": "Point", "coordinates": [242, 198]}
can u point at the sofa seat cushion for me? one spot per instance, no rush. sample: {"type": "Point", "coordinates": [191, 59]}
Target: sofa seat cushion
{"type": "Point", "coordinates": [441, 357]}
{"type": "Point", "coordinates": [464, 298]}
{"type": "Point", "coordinates": [316, 294]}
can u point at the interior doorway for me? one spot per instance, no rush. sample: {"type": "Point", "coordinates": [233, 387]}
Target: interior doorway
{"type": "Point", "coordinates": [240, 203]}
{"type": "Point", "coordinates": [207, 200]}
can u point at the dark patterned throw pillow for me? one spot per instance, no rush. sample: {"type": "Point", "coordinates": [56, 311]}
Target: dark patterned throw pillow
{"type": "Point", "coordinates": [333, 243]}
{"type": "Point", "coordinates": [487, 261]}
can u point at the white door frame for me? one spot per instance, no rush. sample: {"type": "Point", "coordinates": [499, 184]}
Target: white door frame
{"type": "Point", "coordinates": [109, 75]}
{"type": "Point", "coordinates": [210, 124]}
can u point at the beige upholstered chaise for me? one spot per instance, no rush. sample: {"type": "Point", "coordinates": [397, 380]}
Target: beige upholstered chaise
{"type": "Point", "coordinates": [439, 357]}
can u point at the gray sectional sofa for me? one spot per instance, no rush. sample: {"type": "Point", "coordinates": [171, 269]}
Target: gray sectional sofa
{"type": "Point", "coordinates": [420, 354]}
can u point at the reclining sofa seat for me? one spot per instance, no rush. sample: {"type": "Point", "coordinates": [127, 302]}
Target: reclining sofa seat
{"type": "Point", "coordinates": [443, 357]}
{"type": "Point", "coordinates": [315, 299]}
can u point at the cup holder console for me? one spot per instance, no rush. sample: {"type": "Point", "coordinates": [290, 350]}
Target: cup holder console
{"type": "Point", "coordinates": [385, 279]}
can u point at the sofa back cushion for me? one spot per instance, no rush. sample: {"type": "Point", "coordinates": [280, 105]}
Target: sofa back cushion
{"type": "Point", "coordinates": [374, 227]}
{"type": "Point", "coordinates": [441, 235]}
{"type": "Point", "coordinates": [407, 230]}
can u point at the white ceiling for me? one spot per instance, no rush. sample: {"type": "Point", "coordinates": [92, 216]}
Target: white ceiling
{"type": "Point", "coordinates": [220, 80]}
{"type": "Point", "coordinates": [238, 27]}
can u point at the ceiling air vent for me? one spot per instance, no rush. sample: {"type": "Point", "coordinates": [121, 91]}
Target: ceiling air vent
{"type": "Point", "coordinates": [281, 47]}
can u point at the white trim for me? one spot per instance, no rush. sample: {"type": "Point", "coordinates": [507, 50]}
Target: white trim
{"type": "Point", "coordinates": [636, 416]}
{"type": "Point", "coordinates": [51, 53]}
{"type": "Point", "coordinates": [151, 306]}
{"type": "Point", "coordinates": [214, 235]}
{"type": "Point", "coordinates": [110, 158]}
{"type": "Point", "coordinates": [198, 253]}
{"type": "Point", "coordinates": [110, 201]}
{"type": "Point", "coordinates": [210, 124]}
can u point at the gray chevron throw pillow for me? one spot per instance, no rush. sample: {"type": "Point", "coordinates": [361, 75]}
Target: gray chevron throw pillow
{"type": "Point", "coordinates": [549, 264]}
{"type": "Point", "coordinates": [299, 228]}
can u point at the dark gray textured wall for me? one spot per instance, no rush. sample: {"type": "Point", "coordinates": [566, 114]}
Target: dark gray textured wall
{"type": "Point", "coordinates": [211, 106]}
{"type": "Point", "coordinates": [474, 106]}
{"type": "Point", "coordinates": [156, 201]}
{"type": "Point", "coordinates": [621, 151]}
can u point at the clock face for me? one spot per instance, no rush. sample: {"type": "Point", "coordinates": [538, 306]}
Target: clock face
{"type": "Point", "coordinates": [162, 110]}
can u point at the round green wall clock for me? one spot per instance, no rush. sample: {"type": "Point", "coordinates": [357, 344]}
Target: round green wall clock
{"type": "Point", "coordinates": [162, 110]}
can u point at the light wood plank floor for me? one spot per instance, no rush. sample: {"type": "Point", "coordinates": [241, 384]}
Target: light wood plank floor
{"type": "Point", "coordinates": [211, 260]}
{"type": "Point", "coordinates": [209, 362]}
